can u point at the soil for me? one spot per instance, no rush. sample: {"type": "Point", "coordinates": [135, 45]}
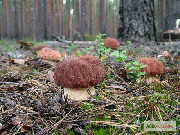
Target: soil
{"type": "Point", "coordinates": [31, 103]}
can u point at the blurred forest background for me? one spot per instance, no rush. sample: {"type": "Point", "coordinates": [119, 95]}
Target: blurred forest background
{"type": "Point", "coordinates": [39, 19]}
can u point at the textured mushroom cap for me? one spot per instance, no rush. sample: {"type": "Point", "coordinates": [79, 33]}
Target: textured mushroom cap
{"type": "Point", "coordinates": [111, 42]}
{"type": "Point", "coordinates": [80, 72]}
{"type": "Point", "coordinates": [48, 53]}
{"type": "Point", "coordinates": [39, 47]}
{"type": "Point", "coordinates": [154, 66]}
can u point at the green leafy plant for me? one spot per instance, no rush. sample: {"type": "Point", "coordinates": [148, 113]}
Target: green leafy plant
{"type": "Point", "coordinates": [100, 47]}
{"type": "Point", "coordinates": [89, 37]}
{"type": "Point", "coordinates": [128, 42]}
{"type": "Point", "coordinates": [119, 55]}
{"type": "Point", "coordinates": [78, 53]}
{"type": "Point", "coordinates": [132, 68]}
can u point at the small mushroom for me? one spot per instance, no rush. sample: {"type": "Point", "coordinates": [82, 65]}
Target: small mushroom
{"type": "Point", "coordinates": [111, 42]}
{"type": "Point", "coordinates": [78, 76]}
{"type": "Point", "coordinates": [49, 54]}
{"type": "Point", "coordinates": [154, 67]}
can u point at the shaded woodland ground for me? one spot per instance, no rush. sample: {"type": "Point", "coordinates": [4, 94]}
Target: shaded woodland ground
{"type": "Point", "coordinates": [31, 103]}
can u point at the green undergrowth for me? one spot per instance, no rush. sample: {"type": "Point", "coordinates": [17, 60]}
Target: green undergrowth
{"type": "Point", "coordinates": [157, 106]}
{"type": "Point", "coordinates": [8, 45]}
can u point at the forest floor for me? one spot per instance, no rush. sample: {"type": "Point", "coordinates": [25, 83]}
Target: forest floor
{"type": "Point", "coordinates": [31, 103]}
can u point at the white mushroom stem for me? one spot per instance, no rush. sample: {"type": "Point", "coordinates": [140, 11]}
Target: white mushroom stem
{"type": "Point", "coordinates": [79, 94]}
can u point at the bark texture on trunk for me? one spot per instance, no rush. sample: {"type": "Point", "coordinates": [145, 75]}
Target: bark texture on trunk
{"type": "Point", "coordinates": [137, 22]}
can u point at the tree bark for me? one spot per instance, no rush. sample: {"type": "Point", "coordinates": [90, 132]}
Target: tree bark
{"type": "Point", "coordinates": [137, 22]}
{"type": "Point", "coordinates": [102, 15]}
{"type": "Point", "coordinates": [171, 13]}
{"type": "Point", "coordinates": [47, 19]}
{"type": "Point", "coordinates": [17, 34]}
{"type": "Point", "coordinates": [40, 35]}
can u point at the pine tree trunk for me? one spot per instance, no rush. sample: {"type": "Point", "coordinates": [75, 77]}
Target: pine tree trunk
{"type": "Point", "coordinates": [137, 22]}
{"type": "Point", "coordinates": [40, 32]}
{"type": "Point", "coordinates": [17, 34]}
{"type": "Point", "coordinates": [102, 12]}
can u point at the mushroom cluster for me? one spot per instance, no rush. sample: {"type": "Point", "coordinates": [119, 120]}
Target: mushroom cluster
{"type": "Point", "coordinates": [49, 53]}
{"type": "Point", "coordinates": [154, 67]}
{"type": "Point", "coordinates": [78, 75]}
{"type": "Point", "coordinates": [111, 42]}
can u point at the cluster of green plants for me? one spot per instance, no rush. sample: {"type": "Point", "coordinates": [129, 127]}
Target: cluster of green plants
{"type": "Point", "coordinates": [155, 106]}
{"type": "Point", "coordinates": [132, 67]}
{"type": "Point", "coordinates": [100, 48]}
{"type": "Point", "coordinates": [8, 45]}
{"type": "Point", "coordinates": [89, 37]}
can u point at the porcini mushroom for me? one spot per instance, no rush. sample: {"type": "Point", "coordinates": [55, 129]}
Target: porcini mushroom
{"type": "Point", "coordinates": [78, 76]}
{"type": "Point", "coordinates": [39, 47]}
{"type": "Point", "coordinates": [154, 67]}
{"type": "Point", "coordinates": [50, 54]}
{"type": "Point", "coordinates": [111, 42]}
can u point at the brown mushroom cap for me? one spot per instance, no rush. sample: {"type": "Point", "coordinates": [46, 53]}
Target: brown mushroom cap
{"type": "Point", "coordinates": [111, 42]}
{"type": "Point", "coordinates": [80, 72]}
{"type": "Point", "coordinates": [50, 54]}
{"type": "Point", "coordinates": [154, 66]}
{"type": "Point", "coordinates": [39, 47]}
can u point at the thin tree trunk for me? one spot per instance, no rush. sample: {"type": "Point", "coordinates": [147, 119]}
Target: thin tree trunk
{"type": "Point", "coordinates": [70, 22]}
{"type": "Point", "coordinates": [40, 21]}
{"type": "Point", "coordinates": [11, 20]}
{"type": "Point", "coordinates": [30, 20]}
{"type": "Point", "coordinates": [58, 17]}
{"type": "Point", "coordinates": [102, 22]}
{"type": "Point", "coordinates": [67, 19]}
{"type": "Point", "coordinates": [76, 14]}
{"type": "Point", "coordinates": [61, 17]}
{"type": "Point", "coordinates": [53, 16]}
{"type": "Point", "coordinates": [1, 22]}
{"type": "Point", "coordinates": [16, 17]}
{"type": "Point", "coordinates": [6, 31]}
{"type": "Point", "coordinates": [35, 18]}
{"type": "Point", "coordinates": [80, 17]}
{"type": "Point", "coordinates": [47, 29]}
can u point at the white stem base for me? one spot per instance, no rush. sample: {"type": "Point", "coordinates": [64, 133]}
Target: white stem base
{"type": "Point", "coordinates": [79, 94]}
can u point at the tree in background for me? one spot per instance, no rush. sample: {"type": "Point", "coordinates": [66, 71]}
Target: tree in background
{"type": "Point", "coordinates": [137, 21]}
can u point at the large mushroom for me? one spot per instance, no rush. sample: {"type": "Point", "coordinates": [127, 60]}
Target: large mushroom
{"type": "Point", "coordinates": [49, 54]}
{"type": "Point", "coordinates": [154, 67]}
{"type": "Point", "coordinates": [111, 42]}
{"type": "Point", "coordinates": [78, 76]}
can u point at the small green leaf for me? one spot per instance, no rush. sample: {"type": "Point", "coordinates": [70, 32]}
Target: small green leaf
{"type": "Point", "coordinates": [141, 73]}
{"type": "Point", "coordinates": [136, 63]}
{"type": "Point", "coordinates": [143, 66]}
{"type": "Point", "coordinates": [117, 59]}
{"type": "Point", "coordinates": [115, 53]}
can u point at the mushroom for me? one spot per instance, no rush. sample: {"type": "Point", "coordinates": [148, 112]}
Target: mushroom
{"type": "Point", "coordinates": [78, 76]}
{"type": "Point", "coordinates": [50, 54]}
{"type": "Point", "coordinates": [154, 67]}
{"type": "Point", "coordinates": [111, 42]}
{"type": "Point", "coordinates": [39, 47]}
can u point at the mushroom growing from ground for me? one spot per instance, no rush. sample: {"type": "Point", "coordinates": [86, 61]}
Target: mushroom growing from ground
{"type": "Point", "coordinates": [111, 42]}
{"type": "Point", "coordinates": [39, 47]}
{"type": "Point", "coordinates": [49, 54]}
{"type": "Point", "coordinates": [154, 67]}
{"type": "Point", "coordinates": [78, 76]}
